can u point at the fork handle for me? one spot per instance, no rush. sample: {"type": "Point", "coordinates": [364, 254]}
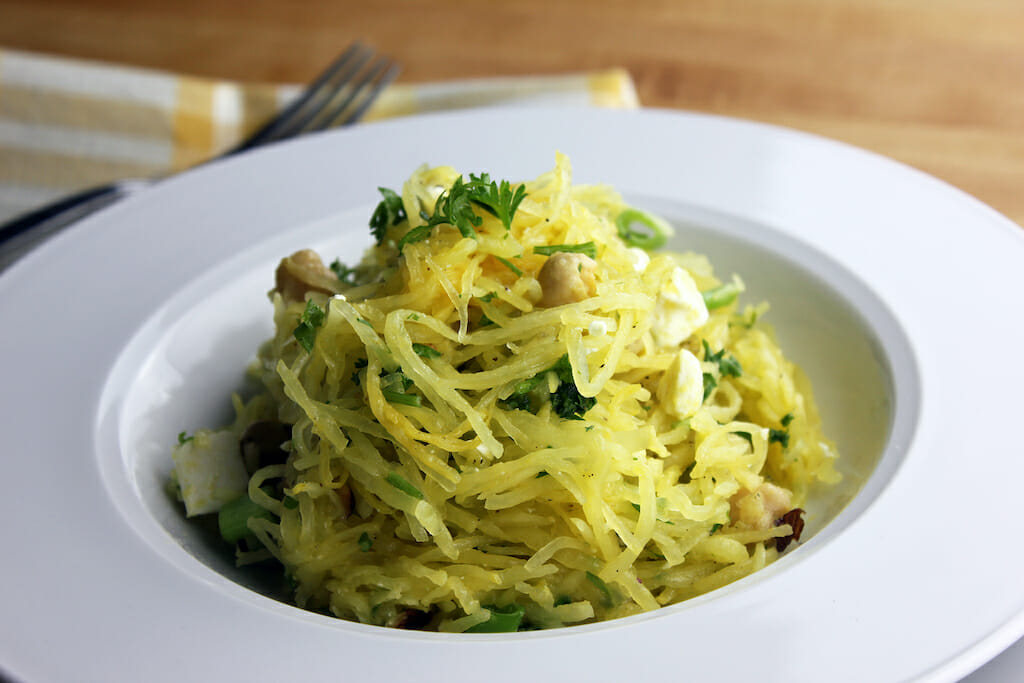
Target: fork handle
{"type": "Point", "coordinates": [28, 230]}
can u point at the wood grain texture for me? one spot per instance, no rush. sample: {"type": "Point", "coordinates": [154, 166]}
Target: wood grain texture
{"type": "Point", "coordinates": [938, 84]}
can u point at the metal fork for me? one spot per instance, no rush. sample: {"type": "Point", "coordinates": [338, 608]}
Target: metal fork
{"type": "Point", "coordinates": [339, 96]}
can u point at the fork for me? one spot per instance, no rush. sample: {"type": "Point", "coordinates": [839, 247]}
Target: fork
{"type": "Point", "coordinates": [339, 96]}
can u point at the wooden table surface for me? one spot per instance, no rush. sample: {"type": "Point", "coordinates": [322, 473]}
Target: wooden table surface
{"type": "Point", "coordinates": [938, 84]}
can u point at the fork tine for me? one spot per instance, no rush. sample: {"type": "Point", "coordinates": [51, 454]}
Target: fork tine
{"type": "Point", "coordinates": [384, 80]}
{"type": "Point", "coordinates": [357, 97]}
{"type": "Point", "coordinates": [312, 92]}
{"type": "Point", "coordinates": [295, 118]}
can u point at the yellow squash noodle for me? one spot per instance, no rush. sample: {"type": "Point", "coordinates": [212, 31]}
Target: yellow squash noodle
{"type": "Point", "coordinates": [481, 429]}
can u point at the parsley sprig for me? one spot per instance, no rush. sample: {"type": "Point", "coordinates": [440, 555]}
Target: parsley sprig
{"type": "Point", "coordinates": [389, 212]}
{"type": "Point", "coordinates": [455, 207]}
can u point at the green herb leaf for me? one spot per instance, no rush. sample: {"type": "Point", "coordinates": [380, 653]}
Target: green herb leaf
{"type": "Point", "coordinates": [745, 435]}
{"type": "Point", "coordinates": [455, 207]}
{"type": "Point", "coordinates": [497, 198]}
{"type": "Point", "coordinates": [400, 483]}
{"type": "Point", "coordinates": [587, 248]}
{"type": "Point", "coordinates": [365, 542]}
{"type": "Point", "coordinates": [312, 318]}
{"type": "Point", "coordinates": [659, 233]}
{"type": "Point", "coordinates": [417, 234]}
{"type": "Point", "coordinates": [714, 528]}
{"type": "Point", "coordinates": [779, 436]}
{"type": "Point", "coordinates": [709, 384]}
{"type": "Point", "coordinates": [566, 401]}
{"type": "Point", "coordinates": [502, 620]}
{"type": "Point", "coordinates": [516, 402]}
{"type": "Point", "coordinates": [183, 438]}
{"type": "Point", "coordinates": [786, 419]}
{"type": "Point", "coordinates": [344, 273]}
{"type": "Point", "coordinates": [389, 212]}
{"type": "Point", "coordinates": [728, 366]}
{"type": "Point", "coordinates": [424, 351]}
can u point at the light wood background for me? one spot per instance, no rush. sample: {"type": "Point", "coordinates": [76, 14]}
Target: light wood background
{"type": "Point", "coordinates": [938, 84]}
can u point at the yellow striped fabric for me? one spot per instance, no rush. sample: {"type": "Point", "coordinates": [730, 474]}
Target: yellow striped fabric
{"type": "Point", "coordinates": [68, 124]}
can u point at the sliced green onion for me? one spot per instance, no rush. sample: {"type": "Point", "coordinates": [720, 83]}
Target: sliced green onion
{"type": "Point", "coordinates": [424, 351]}
{"type": "Point", "coordinates": [606, 592]}
{"type": "Point", "coordinates": [660, 231]}
{"type": "Point", "coordinates": [401, 398]}
{"type": "Point", "coordinates": [233, 518]}
{"type": "Point", "coordinates": [722, 295]}
{"type": "Point", "coordinates": [502, 620]}
{"type": "Point", "coordinates": [588, 248]}
{"type": "Point", "coordinates": [511, 266]}
{"type": "Point", "coordinates": [400, 483]}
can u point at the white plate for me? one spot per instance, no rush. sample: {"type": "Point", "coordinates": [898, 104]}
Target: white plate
{"type": "Point", "coordinates": [897, 292]}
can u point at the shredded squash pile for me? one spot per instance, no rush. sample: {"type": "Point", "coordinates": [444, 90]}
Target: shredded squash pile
{"type": "Point", "coordinates": [514, 413]}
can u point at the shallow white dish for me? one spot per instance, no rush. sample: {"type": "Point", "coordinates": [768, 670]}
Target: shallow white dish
{"type": "Point", "coordinates": [133, 325]}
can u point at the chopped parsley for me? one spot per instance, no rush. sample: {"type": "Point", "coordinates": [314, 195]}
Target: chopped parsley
{"type": "Point", "coordinates": [183, 438]}
{"type": "Point", "coordinates": [389, 212]}
{"type": "Point", "coordinates": [516, 402]}
{"type": "Point", "coordinates": [779, 436]}
{"type": "Point", "coordinates": [344, 273]}
{"type": "Point", "coordinates": [786, 419]}
{"type": "Point", "coordinates": [714, 528]}
{"type": "Point", "coordinates": [746, 436]}
{"type": "Point", "coordinates": [566, 400]}
{"type": "Point", "coordinates": [709, 384]}
{"type": "Point", "coordinates": [727, 365]}
{"type": "Point", "coordinates": [312, 318]}
{"type": "Point", "coordinates": [365, 542]}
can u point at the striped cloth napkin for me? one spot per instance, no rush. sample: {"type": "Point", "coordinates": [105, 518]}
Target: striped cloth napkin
{"type": "Point", "coordinates": [67, 124]}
